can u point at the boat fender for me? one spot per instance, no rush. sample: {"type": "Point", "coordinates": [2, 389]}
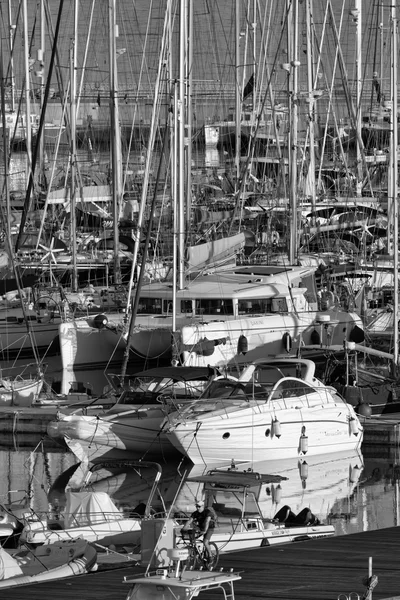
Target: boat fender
{"type": "Point", "coordinates": [303, 443]}
{"type": "Point", "coordinates": [303, 469]}
{"type": "Point", "coordinates": [287, 341]}
{"type": "Point", "coordinates": [243, 345]}
{"type": "Point", "coordinates": [276, 428]}
{"type": "Point", "coordinates": [364, 409]}
{"type": "Point", "coordinates": [276, 494]}
{"type": "Point", "coordinates": [315, 338]}
{"type": "Point", "coordinates": [354, 474]}
{"type": "Point", "coordinates": [353, 425]}
{"type": "Point", "coordinates": [100, 321]}
{"type": "Point", "coordinates": [357, 335]}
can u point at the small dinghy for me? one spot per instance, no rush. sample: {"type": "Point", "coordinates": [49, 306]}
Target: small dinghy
{"type": "Point", "coordinates": [53, 561]}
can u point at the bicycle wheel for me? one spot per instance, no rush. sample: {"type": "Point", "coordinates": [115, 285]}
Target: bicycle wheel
{"type": "Point", "coordinates": [199, 555]}
{"type": "Point", "coordinates": [212, 557]}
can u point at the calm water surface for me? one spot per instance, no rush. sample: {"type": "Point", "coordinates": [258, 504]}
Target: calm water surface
{"type": "Point", "coordinates": [352, 492]}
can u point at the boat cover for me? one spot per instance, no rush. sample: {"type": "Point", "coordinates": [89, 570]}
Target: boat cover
{"type": "Point", "coordinates": [8, 565]}
{"type": "Point", "coordinates": [89, 508]}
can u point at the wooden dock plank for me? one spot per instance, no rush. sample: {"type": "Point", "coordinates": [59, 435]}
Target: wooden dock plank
{"type": "Point", "coordinates": [318, 569]}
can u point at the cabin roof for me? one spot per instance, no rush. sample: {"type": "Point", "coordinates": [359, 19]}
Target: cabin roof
{"type": "Point", "coordinates": [215, 289]}
{"type": "Point", "coordinates": [255, 281]}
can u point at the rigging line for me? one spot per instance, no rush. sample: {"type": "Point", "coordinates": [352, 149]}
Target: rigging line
{"type": "Point", "coordinates": [95, 430]}
{"type": "Point", "coordinates": [197, 444]}
{"type": "Point", "coordinates": [252, 145]}
{"type": "Point", "coordinates": [27, 201]}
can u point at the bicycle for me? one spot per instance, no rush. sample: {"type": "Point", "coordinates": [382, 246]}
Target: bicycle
{"type": "Point", "coordinates": [199, 558]}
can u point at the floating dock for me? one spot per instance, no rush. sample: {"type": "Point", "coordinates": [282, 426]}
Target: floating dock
{"type": "Point", "coordinates": [324, 569]}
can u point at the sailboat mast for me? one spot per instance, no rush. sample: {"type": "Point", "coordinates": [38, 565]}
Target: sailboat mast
{"type": "Point", "coordinates": [394, 188]}
{"type": "Point", "coordinates": [182, 126]}
{"type": "Point", "coordinates": [42, 76]}
{"type": "Point", "coordinates": [292, 25]}
{"type": "Point", "coordinates": [175, 202]}
{"type": "Point", "coordinates": [311, 105]}
{"type": "Point", "coordinates": [11, 35]}
{"type": "Point", "coordinates": [116, 159]}
{"type": "Point", "coordinates": [358, 21]}
{"type": "Point", "coordinates": [28, 136]}
{"type": "Point", "coordinates": [189, 110]}
{"type": "Point", "coordinates": [238, 110]}
{"type": "Point", "coordinates": [73, 149]}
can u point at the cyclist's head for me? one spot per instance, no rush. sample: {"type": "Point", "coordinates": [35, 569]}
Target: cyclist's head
{"type": "Point", "coordinates": [199, 504]}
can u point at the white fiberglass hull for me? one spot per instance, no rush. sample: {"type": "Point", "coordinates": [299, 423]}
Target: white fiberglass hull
{"type": "Point", "coordinates": [247, 434]}
{"type": "Point", "coordinates": [24, 392]}
{"type": "Point", "coordinates": [136, 431]}
{"type": "Point", "coordinates": [265, 335]}
{"type": "Point", "coordinates": [236, 539]}
{"type": "Point", "coordinates": [218, 343]}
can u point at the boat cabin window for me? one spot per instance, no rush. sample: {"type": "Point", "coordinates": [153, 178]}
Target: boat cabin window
{"type": "Point", "coordinates": [271, 374]}
{"type": "Point", "coordinates": [262, 306]}
{"type": "Point", "coordinates": [233, 503]}
{"type": "Point", "coordinates": [186, 307]}
{"type": "Point", "coordinates": [214, 306]}
{"type": "Point", "coordinates": [224, 388]}
{"type": "Point", "coordinates": [279, 305]}
{"type": "Point", "coordinates": [151, 306]}
{"type": "Point", "coordinates": [291, 387]}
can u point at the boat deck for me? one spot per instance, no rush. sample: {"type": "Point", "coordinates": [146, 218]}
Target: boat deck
{"type": "Point", "coordinates": [318, 569]}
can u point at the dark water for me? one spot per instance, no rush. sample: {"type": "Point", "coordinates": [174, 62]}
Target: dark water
{"type": "Point", "coordinates": [352, 492]}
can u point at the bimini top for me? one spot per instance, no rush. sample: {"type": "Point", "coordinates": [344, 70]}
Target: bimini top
{"type": "Point", "coordinates": [178, 373]}
{"type": "Point", "coordinates": [221, 478]}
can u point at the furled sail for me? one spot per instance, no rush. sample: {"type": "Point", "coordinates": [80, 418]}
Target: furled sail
{"type": "Point", "coordinates": [215, 252]}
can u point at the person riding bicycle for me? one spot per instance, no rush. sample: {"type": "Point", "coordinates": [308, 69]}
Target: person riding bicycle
{"type": "Point", "coordinates": [201, 522]}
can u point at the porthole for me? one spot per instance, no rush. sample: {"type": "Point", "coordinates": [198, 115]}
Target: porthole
{"type": "Point", "coordinates": [267, 432]}
{"type": "Point", "coordinates": [226, 436]}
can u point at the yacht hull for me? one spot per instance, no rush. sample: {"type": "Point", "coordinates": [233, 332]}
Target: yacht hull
{"type": "Point", "coordinates": [250, 438]}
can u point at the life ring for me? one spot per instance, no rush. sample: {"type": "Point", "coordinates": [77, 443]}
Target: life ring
{"type": "Point", "coordinates": [287, 341]}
